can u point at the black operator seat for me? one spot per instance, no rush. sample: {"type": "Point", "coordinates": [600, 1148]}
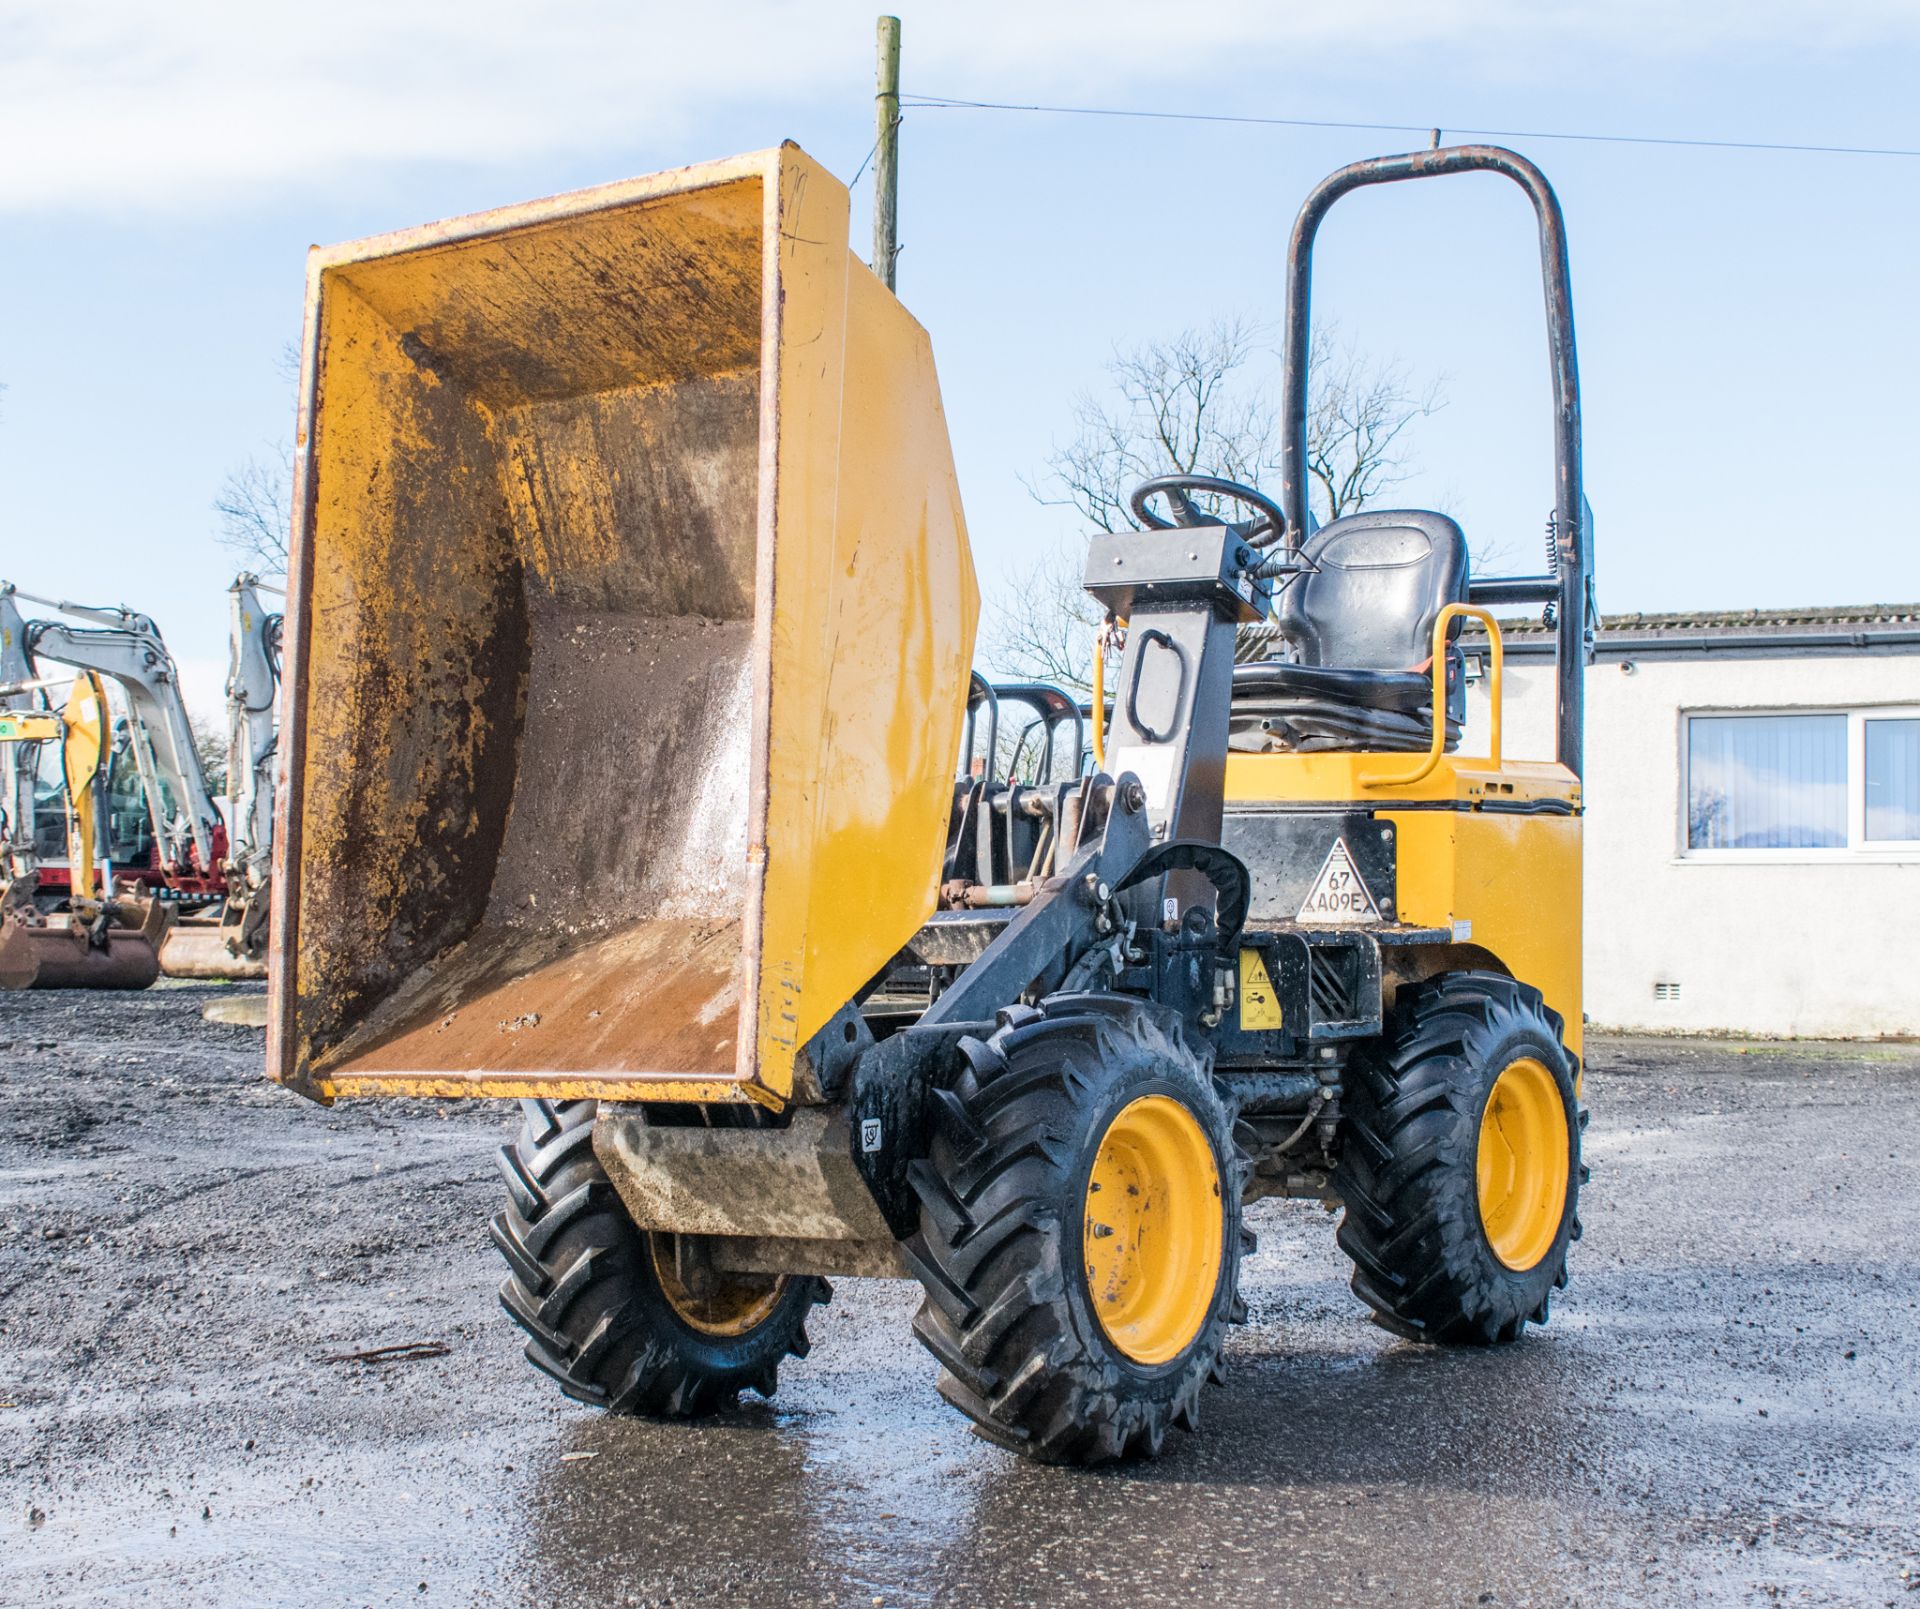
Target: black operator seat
{"type": "Point", "coordinates": [1358, 627]}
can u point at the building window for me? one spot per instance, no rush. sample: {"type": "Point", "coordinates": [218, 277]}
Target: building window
{"type": "Point", "coordinates": [1893, 778]}
{"type": "Point", "coordinates": [1802, 782]}
{"type": "Point", "coordinates": [1766, 782]}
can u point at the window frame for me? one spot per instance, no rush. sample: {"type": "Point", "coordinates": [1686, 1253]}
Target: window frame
{"type": "Point", "coordinates": [1858, 848]}
{"type": "Point", "coordinates": [1877, 847]}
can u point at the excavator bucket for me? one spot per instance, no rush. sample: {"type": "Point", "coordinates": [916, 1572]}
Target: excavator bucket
{"type": "Point", "coordinates": [628, 642]}
{"type": "Point", "coordinates": [197, 947]}
{"type": "Point", "coordinates": [63, 952]}
{"type": "Point", "coordinates": [19, 957]}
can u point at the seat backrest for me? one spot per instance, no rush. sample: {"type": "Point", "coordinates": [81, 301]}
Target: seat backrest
{"type": "Point", "coordinates": [1377, 584]}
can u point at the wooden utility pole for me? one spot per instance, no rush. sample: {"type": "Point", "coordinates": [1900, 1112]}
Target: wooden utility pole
{"type": "Point", "coordinates": [886, 161]}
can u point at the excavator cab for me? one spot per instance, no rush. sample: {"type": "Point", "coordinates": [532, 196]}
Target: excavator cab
{"type": "Point", "coordinates": [129, 822]}
{"type": "Point", "coordinates": [49, 811]}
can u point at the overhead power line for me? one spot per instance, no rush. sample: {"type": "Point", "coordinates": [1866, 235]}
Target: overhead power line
{"type": "Point", "coordinates": [943, 103]}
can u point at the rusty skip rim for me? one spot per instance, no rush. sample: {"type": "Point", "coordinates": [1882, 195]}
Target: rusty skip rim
{"type": "Point", "coordinates": [283, 925]}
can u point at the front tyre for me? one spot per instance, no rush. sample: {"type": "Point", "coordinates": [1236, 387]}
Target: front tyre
{"type": "Point", "coordinates": [606, 1312]}
{"type": "Point", "coordinates": [1460, 1165]}
{"type": "Point", "coordinates": [1080, 1232]}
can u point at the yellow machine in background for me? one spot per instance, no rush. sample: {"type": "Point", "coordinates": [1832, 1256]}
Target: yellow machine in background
{"type": "Point", "coordinates": [628, 640]}
{"type": "Point", "coordinates": [85, 723]}
{"type": "Point", "coordinates": [99, 939]}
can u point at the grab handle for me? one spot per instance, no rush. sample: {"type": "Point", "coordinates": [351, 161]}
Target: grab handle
{"type": "Point", "coordinates": [1497, 691]}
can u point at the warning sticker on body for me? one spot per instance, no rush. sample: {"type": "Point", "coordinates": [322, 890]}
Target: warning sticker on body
{"type": "Point", "coordinates": [1339, 893]}
{"type": "Point", "coordinates": [1259, 1004]}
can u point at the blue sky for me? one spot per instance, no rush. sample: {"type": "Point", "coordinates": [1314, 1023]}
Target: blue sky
{"type": "Point", "coordinates": [1748, 327]}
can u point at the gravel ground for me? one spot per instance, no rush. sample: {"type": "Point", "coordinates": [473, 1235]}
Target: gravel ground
{"type": "Point", "coordinates": [1725, 1409]}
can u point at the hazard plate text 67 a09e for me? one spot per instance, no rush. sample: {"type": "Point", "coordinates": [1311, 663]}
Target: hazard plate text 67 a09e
{"type": "Point", "coordinates": [1339, 893]}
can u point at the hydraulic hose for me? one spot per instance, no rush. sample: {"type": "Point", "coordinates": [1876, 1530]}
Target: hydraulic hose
{"type": "Point", "coordinates": [1100, 700]}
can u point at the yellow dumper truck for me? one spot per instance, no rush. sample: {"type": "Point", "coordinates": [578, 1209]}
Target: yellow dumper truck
{"type": "Point", "coordinates": [628, 660]}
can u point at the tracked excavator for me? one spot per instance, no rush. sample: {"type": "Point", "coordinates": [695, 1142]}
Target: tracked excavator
{"type": "Point", "coordinates": [253, 687]}
{"type": "Point", "coordinates": [212, 877]}
{"type": "Point", "coordinates": [90, 936]}
{"type": "Point", "coordinates": [629, 629]}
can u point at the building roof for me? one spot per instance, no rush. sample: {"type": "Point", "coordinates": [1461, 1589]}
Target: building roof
{"type": "Point", "coordinates": [1745, 633]}
{"type": "Point", "coordinates": [1746, 622]}
{"type": "Point", "coordinates": [1873, 628]}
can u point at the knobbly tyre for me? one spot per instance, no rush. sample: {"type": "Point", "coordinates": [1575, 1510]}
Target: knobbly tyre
{"type": "Point", "coordinates": [628, 651]}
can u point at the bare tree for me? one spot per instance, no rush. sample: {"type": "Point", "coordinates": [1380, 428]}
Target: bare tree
{"type": "Point", "coordinates": [254, 506]}
{"type": "Point", "coordinates": [1198, 404]}
{"type": "Point", "coordinates": [1358, 411]}
{"type": "Point", "coordinates": [210, 746]}
{"type": "Point", "coordinates": [255, 502]}
{"type": "Point", "coordinates": [1181, 408]}
{"type": "Point", "coordinates": [1042, 621]}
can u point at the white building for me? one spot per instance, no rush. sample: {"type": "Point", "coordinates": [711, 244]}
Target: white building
{"type": "Point", "coordinates": [1752, 796]}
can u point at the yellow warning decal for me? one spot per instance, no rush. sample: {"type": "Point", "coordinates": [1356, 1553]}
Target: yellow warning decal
{"type": "Point", "coordinates": [1259, 1003]}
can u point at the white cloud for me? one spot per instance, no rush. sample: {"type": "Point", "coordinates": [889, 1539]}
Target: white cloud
{"type": "Point", "coordinates": [111, 103]}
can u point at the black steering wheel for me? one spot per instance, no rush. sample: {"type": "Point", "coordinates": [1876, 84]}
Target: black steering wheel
{"type": "Point", "coordinates": [1261, 532]}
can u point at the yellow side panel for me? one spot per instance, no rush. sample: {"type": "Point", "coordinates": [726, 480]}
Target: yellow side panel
{"type": "Point", "coordinates": [874, 610]}
{"type": "Point", "coordinates": [1507, 883]}
{"type": "Point", "coordinates": [1344, 778]}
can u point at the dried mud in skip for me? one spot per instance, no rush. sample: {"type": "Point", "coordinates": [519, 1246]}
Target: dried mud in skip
{"type": "Point", "coordinates": [1725, 1409]}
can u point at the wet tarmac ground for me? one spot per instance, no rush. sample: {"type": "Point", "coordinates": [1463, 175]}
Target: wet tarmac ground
{"type": "Point", "coordinates": [1725, 1409]}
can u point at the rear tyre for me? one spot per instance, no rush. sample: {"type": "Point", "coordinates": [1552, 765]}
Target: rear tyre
{"type": "Point", "coordinates": [1460, 1164]}
{"type": "Point", "coordinates": [606, 1315]}
{"type": "Point", "coordinates": [1080, 1233]}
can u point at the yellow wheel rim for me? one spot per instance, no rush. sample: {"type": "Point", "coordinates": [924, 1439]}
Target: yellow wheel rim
{"type": "Point", "coordinates": [1522, 1164]}
{"type": "Point", "coordinates": [731, 1306]}
{"type": "Point", "coordinates": [1154, 1229]}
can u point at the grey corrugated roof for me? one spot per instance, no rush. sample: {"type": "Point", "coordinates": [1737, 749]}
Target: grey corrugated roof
{"type": "Point", "coordinates": [1874, 628]}
{"type": "Point", "coordinates": [1840, 619]}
